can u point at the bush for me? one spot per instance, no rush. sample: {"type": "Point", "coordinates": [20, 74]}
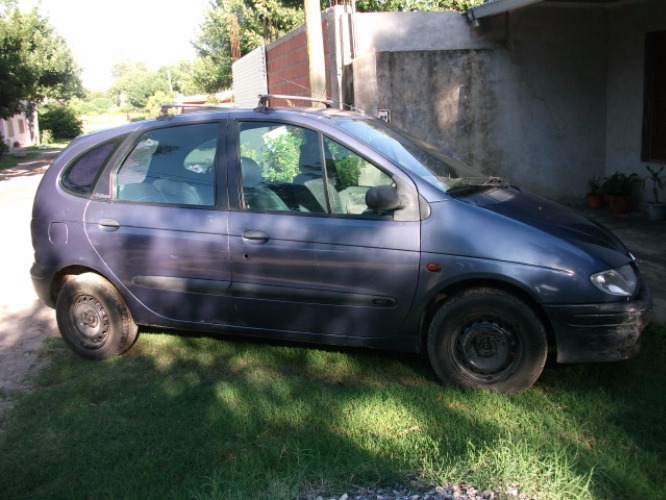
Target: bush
{"type": "Point", "coordinates": [4, 149]}
{"type": "Point", "coordinates": [46, 137]}
{"type": "Point", "coordinates": [61, 121]}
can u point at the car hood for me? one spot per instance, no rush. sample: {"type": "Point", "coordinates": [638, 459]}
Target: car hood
{"type": "Point", "coordinates": [557, 220]}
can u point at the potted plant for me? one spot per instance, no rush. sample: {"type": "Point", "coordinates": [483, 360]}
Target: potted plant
{"type": "Point", "coordinates": [594, 197]}
{"type": "Point", "coordinates": [656, 210]}
{"type": "Point", "coordinates": [619, 189]}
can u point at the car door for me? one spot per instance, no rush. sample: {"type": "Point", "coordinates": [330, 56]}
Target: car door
{"type": "Point", "coordinates": [160, 225]}
{"type": "Point", "coordinates": [307, 255]}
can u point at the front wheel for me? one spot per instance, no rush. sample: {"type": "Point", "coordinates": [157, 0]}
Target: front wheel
{"type": "Point", "coordinates": [488, 339]}
{"type": "Point", "coordinates": [93, 318]}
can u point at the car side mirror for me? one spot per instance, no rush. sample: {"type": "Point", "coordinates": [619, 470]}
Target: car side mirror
{"type": "Point", "coordinates": [382, 198]}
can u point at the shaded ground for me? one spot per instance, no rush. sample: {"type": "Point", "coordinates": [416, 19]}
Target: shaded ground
{"type": "Point", "coordinates": [24, 321]}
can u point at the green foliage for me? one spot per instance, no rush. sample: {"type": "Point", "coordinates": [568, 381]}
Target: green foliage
{"type": "Point", "coordinates": [4, 149]}
{"type": "Point", "coordinates": [658, 180]}
{"type": "Point", "coordinates": [136, 84]}
{"type": "Point", "coordinates": [620, 184]}
{"type": "Point", "coordinates": [91, 106]}
{"type": "Point", "coordinates": [281, 158]}
{"type": "Point", "coordinates": [258, 21]}
{"type": "Point", "coordinates": [414, 5]}
{"type": "Point", "coordinates": [46, 137]}
{"type": "Point", "coordinates": [35, 62]}
{"type": "Point", "coordinates": [153, 105]}
{"type": "Point", "coordinates": [61, 121]}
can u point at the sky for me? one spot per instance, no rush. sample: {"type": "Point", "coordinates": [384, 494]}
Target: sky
{"type": "Point", "coordinates": [101, 33]}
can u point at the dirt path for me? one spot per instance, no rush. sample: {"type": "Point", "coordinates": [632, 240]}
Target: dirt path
{"type": "Point", "coordinates": [24, 321]}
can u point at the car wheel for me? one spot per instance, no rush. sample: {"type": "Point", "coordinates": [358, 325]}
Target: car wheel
{"type": "Point", "coordinates": [93, 318]}
{"type": "Point", "coordinates": [487, 339]}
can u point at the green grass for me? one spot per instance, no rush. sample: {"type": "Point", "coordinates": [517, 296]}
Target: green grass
{"type": "Point", "coordinates": [9, 160]}
{"type": "Point", "coordinates": [194, 417]}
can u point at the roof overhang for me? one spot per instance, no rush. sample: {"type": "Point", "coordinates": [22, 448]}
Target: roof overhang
{"type": "Point", "coordinates": [493, 7]}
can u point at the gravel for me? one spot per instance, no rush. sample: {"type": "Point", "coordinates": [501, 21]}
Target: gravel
{"type": "Point", "coordinates": [449, 492]}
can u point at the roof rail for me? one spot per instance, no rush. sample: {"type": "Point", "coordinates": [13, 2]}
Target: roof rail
{"type": "Point", "coordinates": [165, 106]}
{"type": "Point", "coordinates": [264, 98]}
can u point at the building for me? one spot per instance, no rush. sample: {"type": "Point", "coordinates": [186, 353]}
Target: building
{"type": "Point", "coordinates": [546, 93]}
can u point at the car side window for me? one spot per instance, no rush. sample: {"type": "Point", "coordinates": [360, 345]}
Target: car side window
{"type": "Point", "coordinates": [291, 168]}
{"type": "Point", "coordinates": [80, 177]}
{"type": "Point", "coordinates": [174, 165]}
{"type": "Point", "coordinates": [354, 176]}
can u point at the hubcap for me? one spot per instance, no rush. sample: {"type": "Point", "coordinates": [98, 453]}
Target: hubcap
{"type": "Point", "coordinates": [90, 320]}
{"type": "Point", "coordinates": [486, 347]}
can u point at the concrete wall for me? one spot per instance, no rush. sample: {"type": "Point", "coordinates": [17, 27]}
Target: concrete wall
{"type": "Point", "coordinates": [546, 95]}
{"type": "Point", "coordinates": [626, 52]}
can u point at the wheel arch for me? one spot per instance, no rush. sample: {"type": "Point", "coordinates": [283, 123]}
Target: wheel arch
{"type": "Point", "coordinates": [67, 273]}
{"type": "Point", "coordinates": [451, 289]}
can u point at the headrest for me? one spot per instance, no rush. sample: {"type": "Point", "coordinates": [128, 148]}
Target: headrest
{"type": "Point", "coordinates": [251, 172]}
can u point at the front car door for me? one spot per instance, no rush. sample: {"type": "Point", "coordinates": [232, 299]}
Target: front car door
{"type": "Point", "coordinates": [308, 257]}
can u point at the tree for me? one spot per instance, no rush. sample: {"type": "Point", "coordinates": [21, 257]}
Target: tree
{"type": "Point", "coordinates": [258, 21]}
{"type": "Point", "coordinates": [414, 5]}
{"type": "Point", "coordinates": [137, 83]}
{"type": "Point", "coordinates": [35, 62]}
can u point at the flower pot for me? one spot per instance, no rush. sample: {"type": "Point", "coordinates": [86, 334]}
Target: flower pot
{"type": "Point", "coordinates": [656, 211]}
{"type": "Point", "coordinates": [619, 204]}
{"type": "Point", "coordinates": [595, 200]}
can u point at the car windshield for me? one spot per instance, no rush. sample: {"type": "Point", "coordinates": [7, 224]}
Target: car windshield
{"type": "Point", "coordinates": [426, 161]}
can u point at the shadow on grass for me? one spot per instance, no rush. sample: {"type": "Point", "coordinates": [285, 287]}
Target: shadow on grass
{"type": "Point", "coordinates": [195, 416]}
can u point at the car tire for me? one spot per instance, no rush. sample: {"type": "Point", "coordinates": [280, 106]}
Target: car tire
{"type": "Point", "coordinates": [485, 338]}
{"type": "Point", "coordinates": [93, 318]}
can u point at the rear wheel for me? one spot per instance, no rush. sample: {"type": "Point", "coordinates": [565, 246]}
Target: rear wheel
{"type": "Point", "coordinates": [487, 339]}
{"type": "Point", "coordinates": [93, 318]}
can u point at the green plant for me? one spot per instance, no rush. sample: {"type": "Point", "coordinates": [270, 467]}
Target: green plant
{"type": "Point", "coordinates": [281, 157]}
{"type": "Point", "coordinates": [4, 149]}
{"type": "Point", "coordinates": [594, 184]}
{"type": "Point", "coordinates": [620, 184]}
{"type": "Point", "coordinates": [657, 181]}
{"type": "Point", "coordinates": [46, 137]}
{"type": "Point", "coordinates": [61, 121]}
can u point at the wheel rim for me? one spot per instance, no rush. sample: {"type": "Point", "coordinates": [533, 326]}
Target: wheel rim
{"type": "Point", "coordinates": [90, 321]}
{"type": "Point", "coordinates": [486, 348]}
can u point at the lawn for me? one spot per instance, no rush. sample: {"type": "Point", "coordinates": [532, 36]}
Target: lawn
{"type": "Point", "coordinates": [184, 416]}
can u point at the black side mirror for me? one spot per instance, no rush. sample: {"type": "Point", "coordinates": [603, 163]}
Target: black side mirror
{"type": "Point", "coordinates": [382, 198]}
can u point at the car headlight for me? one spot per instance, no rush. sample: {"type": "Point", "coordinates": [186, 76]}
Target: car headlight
{"type": "Point", "coordinates": [621, 281]}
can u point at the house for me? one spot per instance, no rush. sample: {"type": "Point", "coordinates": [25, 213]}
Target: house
{"type": "Point", "coordinates": [15, 131]}
{"type": "Point", "coordinates": [546, 93]}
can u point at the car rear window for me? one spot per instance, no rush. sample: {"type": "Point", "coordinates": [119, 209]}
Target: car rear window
{"type": "Point", "coordinates": [81, 175]}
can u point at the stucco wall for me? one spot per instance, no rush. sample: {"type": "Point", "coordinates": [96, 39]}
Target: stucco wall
{"type": "Point", "coordinates": [523, 96]}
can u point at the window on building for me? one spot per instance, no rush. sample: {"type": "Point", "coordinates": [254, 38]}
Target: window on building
{"type": "Point", "coordinates": [21, 125]}
{"type": "Point", "coordinates": [654, 107]}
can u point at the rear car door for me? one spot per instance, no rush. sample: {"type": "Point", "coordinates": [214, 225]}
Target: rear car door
{"type": "Point", "coordinates": [160, 222]}
{"type": "Point", "coordinates": [308, 257]}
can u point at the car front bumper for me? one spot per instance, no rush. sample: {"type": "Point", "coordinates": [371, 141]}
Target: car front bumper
{"type": "Point", "coordinates": [587, 333]}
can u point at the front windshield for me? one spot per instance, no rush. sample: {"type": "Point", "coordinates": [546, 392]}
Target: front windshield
{"type": "Point", "coordinates": [424, 160]}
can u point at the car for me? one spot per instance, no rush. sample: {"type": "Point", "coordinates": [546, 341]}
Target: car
{"type": "Point", "coordinates": [325, 226]}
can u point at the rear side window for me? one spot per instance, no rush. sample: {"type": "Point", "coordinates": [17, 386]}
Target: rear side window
{"type": "Point", "coordinates": [81, 175]}
{"type": "Point", "coordinates": [174, 165]}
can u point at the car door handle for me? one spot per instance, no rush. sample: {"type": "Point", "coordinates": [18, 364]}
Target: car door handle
{"type": "Point", "coordinates": [109, 224]}
{"type": "Point", "coordinates": [255, 236]}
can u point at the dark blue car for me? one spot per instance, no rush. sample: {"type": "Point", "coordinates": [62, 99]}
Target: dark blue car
{"type": "Point", "coordinates": [325, 226]}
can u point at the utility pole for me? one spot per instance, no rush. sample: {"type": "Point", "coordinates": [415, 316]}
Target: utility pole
{"type": "Point", "coordinates": [315, 42]}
